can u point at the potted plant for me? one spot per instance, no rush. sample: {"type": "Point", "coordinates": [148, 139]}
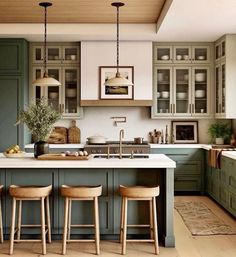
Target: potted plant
{"type": "Point", "coordinates": [39, 118]}
{"type": "Point", "coordinates": [219, 131]}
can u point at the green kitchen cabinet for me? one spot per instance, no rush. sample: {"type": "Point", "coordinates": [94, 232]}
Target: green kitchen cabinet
{"type": "Point", "coordinates": [189, 172]}
{"type": "Point", "coordinates": [31, 210]}
{"type": "Point", "coordinates": [14, 90]}
{"type": "Point", "coordinates": [221, 184]}
{"type": "Point", "coordinates": [82, 211]}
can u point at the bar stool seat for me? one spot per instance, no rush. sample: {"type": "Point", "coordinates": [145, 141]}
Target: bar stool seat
{"type": "Point", "coordinates": [30, 193]}
{"type": "Point", "coordinates": [80, 193]}
{"type": "Point", "coordinates": [1, 226]}
{"type": "Point", "coordinates": [139, 193]}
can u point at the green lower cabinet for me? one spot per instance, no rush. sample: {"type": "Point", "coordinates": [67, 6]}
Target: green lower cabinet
{"type": "Point", "coordinates": [31, 209]}
{"type": "Point", "coordinates": [82, 211]}
{"type": "Point", "coordinates": [232, 204]}
{"type": "Point", "coordinates": [189, 175]}
{"type": "Point", "coordinates": [137, 210]}
{"type": "Point", "coordinates": [215, 183]}
{"type": "Point", "coordinates": [224, 195]}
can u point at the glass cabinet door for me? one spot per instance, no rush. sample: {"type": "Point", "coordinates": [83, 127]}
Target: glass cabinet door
{"type": "Point", "coordinates": [70, 99]}
{"type": "Point", "coordinates": [201, 54]}
{"type": "Point", "coordinates": [70, 54]}
{"type": "Point", "coordinates": [200, 103]}
{"type": "Point", "coordinates": [182, 54]}
{"type": "Point", "coordinates": [163, 54]}
{"type": "Point", "coordinates": [163, 89]}
{"type": "Point", "coordinates": [217, 88]}
{"type": "Point", "coordinates": [54, 54]}
{"type": "Point", "coordinates": [53, 93]}
{"type": "Point", "coordinates": [38, 53]}
{"type": "Point", "coordinates": [222, 110]}
{"type": "Point", "coordinates": [38, 92]}
{"type": "Point", "coordinates": [182, 82]}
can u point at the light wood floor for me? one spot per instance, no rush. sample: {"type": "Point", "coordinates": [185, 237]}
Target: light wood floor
{"type": "Point", "coordinates": [186, 244]}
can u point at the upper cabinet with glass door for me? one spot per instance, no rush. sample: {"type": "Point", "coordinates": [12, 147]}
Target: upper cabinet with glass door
{"type": "Point", "coordinates": [182, 53]}
{"type": "Point", "coordinates": [55, 54]}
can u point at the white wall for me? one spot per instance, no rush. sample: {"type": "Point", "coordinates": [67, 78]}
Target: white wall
{"type": "Point", "coordinates": [98, 121]}
{"type": "Point", "coordinates": [97, 53]}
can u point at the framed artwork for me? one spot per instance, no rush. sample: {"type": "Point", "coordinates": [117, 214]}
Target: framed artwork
{"type": "Point", "coordinates": [117, 92]}
{"type": "Point", "coordinates": [185, 132]}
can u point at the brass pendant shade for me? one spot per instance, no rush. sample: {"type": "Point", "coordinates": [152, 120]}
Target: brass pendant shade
{"type": "Point", "coordinates": [45, 80]}
{"type": "Point", "coordinates": [118, 80]}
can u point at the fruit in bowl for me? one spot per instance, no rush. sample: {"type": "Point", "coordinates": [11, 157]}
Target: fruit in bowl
{"type": "Point", "coordinates": [14, 151]}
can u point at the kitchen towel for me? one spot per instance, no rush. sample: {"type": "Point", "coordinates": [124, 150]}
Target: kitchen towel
{"type": "Point", "coordinates": [214, 158]}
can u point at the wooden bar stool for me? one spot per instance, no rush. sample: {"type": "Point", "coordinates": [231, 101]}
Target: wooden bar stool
{"type": "Point", "coordinates": [138, 193]}
{"type": "Point", "coordinates": [30, 193]}
{"type": "Point", "coordinates": [1, 226]}
{"type": "Point", "coordinates": [80, 193]}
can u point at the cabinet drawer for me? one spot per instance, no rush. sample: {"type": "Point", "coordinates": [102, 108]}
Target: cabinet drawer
{"type": "Point", "coordinates": [188, 168]}
{"type": "Point", "coordinates": [187, 183]}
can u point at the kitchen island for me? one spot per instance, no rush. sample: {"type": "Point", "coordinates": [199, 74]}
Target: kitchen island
{"type": "Point", "coordinates": [110, 173]}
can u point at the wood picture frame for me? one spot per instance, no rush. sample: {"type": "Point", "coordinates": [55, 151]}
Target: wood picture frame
{"type": "Point", "coordinates": [115, 93]}
{"type": "Point", "coordinates": [185, 132]}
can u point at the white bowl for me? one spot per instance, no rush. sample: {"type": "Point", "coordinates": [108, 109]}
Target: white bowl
{"type": "Point", "coordinates": [165, 94]}
{"type": "Point", "coordinates": [178, 57]}
{"type": "Point", "coordinates": [53, 95]}
{"type": "Point", "coordinates": [70, 92]}
{"type": "Point", "coordinates": [186, 57]}
{"type": "Point", "coordinates": [165, 57]}
{"type": "Point", "coordinates": [185, 77]}
{"type": "Point", "coordinates": [181, 95]}
{"type": "Point", "coordinates": [200, 77]}
{"type": "Point", "coordinates": [200, 93]}
{"type": "Point", "coordinates": [158, 94]}
{"type": "Point", "coordinates": [73, 57]}
{"type": "Point", "coordinates": [201, 57]}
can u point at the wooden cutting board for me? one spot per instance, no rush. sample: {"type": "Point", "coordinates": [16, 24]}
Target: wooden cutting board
{"type": "Point", "coordinates": [58, 156]}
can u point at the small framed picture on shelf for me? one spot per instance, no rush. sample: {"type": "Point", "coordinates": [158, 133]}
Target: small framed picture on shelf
{"type": "Point", "coordinates": [185, 132]}
{"type": "Point", "coordinates": [116, 92]}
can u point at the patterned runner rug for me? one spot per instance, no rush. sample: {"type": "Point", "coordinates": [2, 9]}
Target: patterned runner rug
{"type": "Point", "coordinates": [201, 221]}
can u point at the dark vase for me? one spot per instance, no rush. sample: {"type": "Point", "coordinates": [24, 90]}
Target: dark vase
{"type": "Point", "coordinates": [40, 147]}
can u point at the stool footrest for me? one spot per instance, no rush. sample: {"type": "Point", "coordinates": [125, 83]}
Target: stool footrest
{"type": "Point", "coordinates": [139, 226]}
{"type": "Point", "coordinates": [140, 240]}
{"type": "Point", "coordinates": [27, 240]}
{"type": "Point", "coordinates": [81, 240]}
{"type": "Point", "coordinates": [82, 226]}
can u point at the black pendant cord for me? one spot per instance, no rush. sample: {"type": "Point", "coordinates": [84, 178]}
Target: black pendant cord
{"type": "Point", "coordinates": [117, 41]}
{"type": "Point", "coordinates": [45, 40]}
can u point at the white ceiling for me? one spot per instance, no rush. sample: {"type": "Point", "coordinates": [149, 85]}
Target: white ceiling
{"type": "Point", "coordinates": [198, 20]}
{"type": "Point", "coordinates": [186, 20]}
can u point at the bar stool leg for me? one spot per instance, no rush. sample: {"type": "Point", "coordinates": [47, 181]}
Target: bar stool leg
{"type": "Point", "coordinates": [121, 220]}
{"type": "Point", "coordinates": [1, 227]}
{"type": "Point", "coordinates": [19, 220]}
{"type": "Point", "coordinates": [48, 219]}
{"type": "Point", "coordinates": [65, 225]}
{"type": "Point", "coordinates": [43, 236]}
{"type": "Point", "coordinates": [124, 226]}
{"type": "Point", "coordinates": [69, 219]}
{"type": "Point", "coordinates": [13, 217]}
{"type": "Point", "coordinates": [96, 221]}
{"type": "Point", "coordinates": [151, 219]}
{"type": "Point", "coordinates": [155, 225]}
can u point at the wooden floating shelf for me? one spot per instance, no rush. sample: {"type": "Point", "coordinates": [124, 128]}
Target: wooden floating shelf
{"type": "Point", "coordinates": [116, 103]}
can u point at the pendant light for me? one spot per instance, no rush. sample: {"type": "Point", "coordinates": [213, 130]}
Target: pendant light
{"type": "Point", "coordinates": [45, 80]}
{"type": "Point", "coordinates": [118, 80]}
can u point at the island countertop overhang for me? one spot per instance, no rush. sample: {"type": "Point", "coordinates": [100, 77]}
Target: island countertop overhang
{"type": "Point", "coordinates": [154, 161]}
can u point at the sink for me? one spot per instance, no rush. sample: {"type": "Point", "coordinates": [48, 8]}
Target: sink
{"type": "Point", "coordinates": [112, 156]}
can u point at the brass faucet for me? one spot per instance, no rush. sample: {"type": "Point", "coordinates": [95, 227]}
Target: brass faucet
{"type": "Point", "coordinates": [120, 142]}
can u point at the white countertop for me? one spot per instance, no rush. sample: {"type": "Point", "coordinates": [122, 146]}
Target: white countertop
{"type": "Point", "coordinates": [58, 146]}
{"type": "Point", "coordinates": [28, 161]}
{"type": "Point", "coordinates": [229, 154]}
{"type": "Point", "coordinates": [200, 146]}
